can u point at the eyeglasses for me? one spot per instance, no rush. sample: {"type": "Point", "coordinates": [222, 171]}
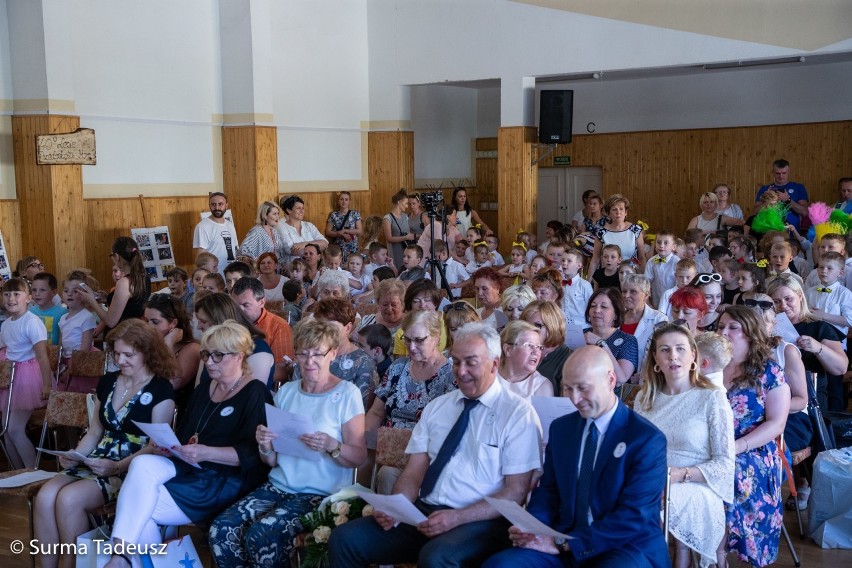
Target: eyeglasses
{"type": "Point", "coordinates": [764, 305]}
{"type": "Point", "coordinates": [217, 356]}
{"type": "Point", "coordinates": [305, 357]}
{"type": "Point", "coordinates": [35, 265]}
{"type": "Point", "coordinates": [533, 346]}
{"type": "Point", "coordinates": [457, 306]}
{"type": "Point", "coordinates": [706, 278]}
{"type": "Point", "coordinates": [414, 340]}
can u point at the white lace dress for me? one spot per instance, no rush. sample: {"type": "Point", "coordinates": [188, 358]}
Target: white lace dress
{"type": "Point", "coordinates": [699, 429]}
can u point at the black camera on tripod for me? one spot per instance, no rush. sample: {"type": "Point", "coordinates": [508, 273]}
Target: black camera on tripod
{"type": "Point", "coordinates": [432, 201]}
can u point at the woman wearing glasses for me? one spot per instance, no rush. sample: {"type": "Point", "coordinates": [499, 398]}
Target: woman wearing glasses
{"type": "Point", "coordinates": [217, 434]}
{"type": "Point", "coordinates": [420, 295]}
{"type": "Point", "coordinates": [604, 313]}
{"type": "Point", "coordinates": [760, 400]}
{"type": "Point", "coordinates": [28, 267]}
{"type": "Point", "coordinates": [351, 363]}
{"type": "Point", "coordinates": [521, 345]}
{"type": "Point", "coordinates": [131, 291]}
{"type": "Point", "coordinates": [819, 342]}
{"type": "Point", "coordinates": [639, 318]}
{"type": "Point", "coordinates": [709, 284]}
{"type": "Point", "coordinates": [696, 418]}
{"type": "Point", "coordinates": [259, 529]}
{"type": "Point", "coordinates": [217, 308]}
{"type": "Point", "coordinates": [688, 306]}
{"type": "Point", "coordinates": [548, 319]}
{"type": "Point", "coordinates": [411, 382]}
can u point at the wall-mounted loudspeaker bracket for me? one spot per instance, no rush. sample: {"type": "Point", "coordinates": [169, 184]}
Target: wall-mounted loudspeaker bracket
{"type": "Point", "coordinates": [536, 147]}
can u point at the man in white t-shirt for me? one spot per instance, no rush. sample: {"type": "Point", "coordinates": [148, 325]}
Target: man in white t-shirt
{"type": "Point", "coordinates": [216, 234]}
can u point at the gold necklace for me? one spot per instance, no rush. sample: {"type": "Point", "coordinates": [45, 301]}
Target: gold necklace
{"type": "Point", "coordinates": [199, 427]}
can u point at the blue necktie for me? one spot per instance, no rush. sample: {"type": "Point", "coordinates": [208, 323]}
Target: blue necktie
{"type": "Point", "coordinates": [448, 448]}
{"type": "Point", "coordinates": [584, 481]}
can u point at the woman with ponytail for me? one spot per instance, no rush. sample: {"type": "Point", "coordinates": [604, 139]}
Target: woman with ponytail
{"type": "Point", "coordinates": [131, 291]}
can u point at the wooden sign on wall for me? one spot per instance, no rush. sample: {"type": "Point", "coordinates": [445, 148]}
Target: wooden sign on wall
{"type": "Point", "coordinates": [76, 147]}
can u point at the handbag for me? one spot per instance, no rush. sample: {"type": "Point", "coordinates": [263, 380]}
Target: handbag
{"type": "Point", "coordinates": [178, 552]}
{"type": "Point", "coordinates": [823, 438]}
{"type": "Point", "coordinates": [403, 243]}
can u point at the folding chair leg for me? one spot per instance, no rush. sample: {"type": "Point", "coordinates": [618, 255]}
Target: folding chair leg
{"type": "Point", "coordinates": [799, 519]}
{"type": "Point", "coordinates": [790, 546]}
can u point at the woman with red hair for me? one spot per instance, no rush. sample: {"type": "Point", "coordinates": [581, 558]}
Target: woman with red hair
{"type": "Point", "coordinates": [486, 282]}
{"type": "Point", "coordinates": [689, 305]}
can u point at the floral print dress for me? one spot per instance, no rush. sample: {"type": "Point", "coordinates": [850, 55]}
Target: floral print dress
{"type": "Point", "coordinates": [337, 223]}
{"type": "Point", "coordinates": [754, 520]}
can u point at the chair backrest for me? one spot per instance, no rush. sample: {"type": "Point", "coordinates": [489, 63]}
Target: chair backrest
{"type": "Point", "coordinates": [366, 309]}
{"type": "Point", "coordinates": [54, 354]}
{"type": "Point", "coordinates": [67, 409]}
{"type": "Point", "coordinates": [7, 370]}
{"type": "Point", "coordinates": [390, 447]}
{"type": "Point", "coordinates": [87, 364]}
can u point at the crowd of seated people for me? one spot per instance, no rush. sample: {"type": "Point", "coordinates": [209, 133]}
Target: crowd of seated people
{"type": "Point", "coordinates": [348, 326]}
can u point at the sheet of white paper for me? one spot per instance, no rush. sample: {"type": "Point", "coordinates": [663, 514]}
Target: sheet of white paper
{"type": "Point", "coordinates": [397, 506]}
{"type": "Point", "coordinates": [519, 517]}
{"type": "Point", "coordinates": [26, 478]}
{"type": "Point", "coordinates": [162, 435]}
{"type": "Point", "coordinates": [784, 328]}
{"type": "Point", "coordinates": [289, 426]}
{"type": "Point", "coordinates": [71, 454]}
{"type": "Point", "coordinates": [549, 408]}
{"type": "Point", "coordinates": [574, 336]}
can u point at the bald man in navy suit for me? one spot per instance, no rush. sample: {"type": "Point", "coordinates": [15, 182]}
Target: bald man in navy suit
{"type": "Point", "coordinates": [604, 475]}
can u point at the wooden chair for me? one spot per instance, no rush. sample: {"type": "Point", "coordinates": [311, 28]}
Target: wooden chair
{"type": "Point", "coordinates": [63, 409]}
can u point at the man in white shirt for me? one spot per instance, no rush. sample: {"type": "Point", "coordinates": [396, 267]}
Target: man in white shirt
{"type": "Point", "coordinates": [481, 440]}
{"type": "Point", "coordinates": [216, 234]}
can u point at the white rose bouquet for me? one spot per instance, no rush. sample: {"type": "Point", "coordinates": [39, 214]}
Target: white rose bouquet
{"type": "Point", "coordinates": [334, 511]}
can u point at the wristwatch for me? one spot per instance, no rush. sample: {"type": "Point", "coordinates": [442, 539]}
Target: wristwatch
{"type": "Point", "coordinates": [600, 343]}
{"type": "Point", "coordinates": [562, 544]}
{"type": "Point", "coordinates": [335, 453]}
{"type": "Point", "coordinates": [687, 477]}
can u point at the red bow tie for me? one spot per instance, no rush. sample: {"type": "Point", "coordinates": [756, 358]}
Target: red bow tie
{"type": "Point", "coordinates": [567, 282]}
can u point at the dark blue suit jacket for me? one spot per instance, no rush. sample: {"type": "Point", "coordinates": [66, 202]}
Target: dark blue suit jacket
{"type": "Point", "coordinates": [626, 491]}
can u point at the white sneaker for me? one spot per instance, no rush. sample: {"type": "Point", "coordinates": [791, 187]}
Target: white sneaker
{"type": "Point", "coordinates": [802, 497]}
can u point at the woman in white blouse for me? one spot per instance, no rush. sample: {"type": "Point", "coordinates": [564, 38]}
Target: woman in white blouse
{"type": "Point", "coordinates": [522, 350]}
{"type": "Point", "coordinates": [698, 423]}
{"type": "Point", "coordinates": [724, 207]}
{"type": "Point", "coordinates": [296, 232]}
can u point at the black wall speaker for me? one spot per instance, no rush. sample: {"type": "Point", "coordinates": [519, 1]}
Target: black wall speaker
{"type": "Point", "coordinates": [555, 110]}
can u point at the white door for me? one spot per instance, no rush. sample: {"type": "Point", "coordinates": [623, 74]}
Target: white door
{"type": "Point", "coordinates": [560, 193]}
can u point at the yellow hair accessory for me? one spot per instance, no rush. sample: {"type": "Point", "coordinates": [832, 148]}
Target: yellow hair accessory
{"type": "Point", "coordinates": [762, 263]}
{"type": "Point", "coordinates": [478, 226]}
{"type": "Point", "coordinates": [483, 243]}
{"type": "Point", "coordinates": [643, 224]}
{"type": "Point", "coordinates": [521, 245]}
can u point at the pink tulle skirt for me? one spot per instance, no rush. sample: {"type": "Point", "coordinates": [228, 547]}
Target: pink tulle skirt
{"type": "Point", "coordinates": [26, 390]}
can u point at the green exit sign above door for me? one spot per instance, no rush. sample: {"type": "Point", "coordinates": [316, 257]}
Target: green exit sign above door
{"type": "Point", "coordinates": [562, 160]}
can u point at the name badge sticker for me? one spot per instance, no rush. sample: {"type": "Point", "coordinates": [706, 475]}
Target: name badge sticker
{"type": "Point", "coordinates": [619, 450]}
{"type": "Point", "coordinates": [146, 398]}
{"type": "Point", "coordinates": [227, 411]}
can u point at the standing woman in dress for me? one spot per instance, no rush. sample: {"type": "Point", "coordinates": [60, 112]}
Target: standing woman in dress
{"type": "Point", "coordinates": [297, 233]}
{"type": "Point", "coordinates": [619, 231]}
{"type": "Point", "coordinates": [344, 226]}
{"type": "Point", "coordinates": [696, 419]}
{"type": "Point", "coordinates": [467, 216]}
{"type": "Point", "coordinates": [131, 291]}
{"type": "Point", "coordinates": [264, 236]}
{"type": "Point", "coordinates": [396, 228]}
{"type": "Point", "coordinates": [760, 400]}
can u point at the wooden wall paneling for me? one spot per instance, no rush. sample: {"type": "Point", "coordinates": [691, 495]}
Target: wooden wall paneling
{"type": "Point", "coordinates": [50, 197]}
{"type": "Point", "coordinates": [663, 173]}
{"type": "Point", "coordinates": [390, 158]}
{"type": "Point", "coordinates": [516, 182]}
{"type": "Point", "coordinates": [10, 222]}
{"type": "Point", "coordinates": [250, 170]}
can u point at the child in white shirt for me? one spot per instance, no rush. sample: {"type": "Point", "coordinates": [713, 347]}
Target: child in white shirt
{"type": "Point", "coordinates": [575, 290]}
{"type": "Point", "coordinates": [660, 269]}
{"type": "Point", "coordinates": [457, 275]}
{"type": "Point", "coordinates": [685, 270]}
{"type": "Point", "coordinates": [481, 257]}
{"type": "Point", "coordinates": [831, 302]}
